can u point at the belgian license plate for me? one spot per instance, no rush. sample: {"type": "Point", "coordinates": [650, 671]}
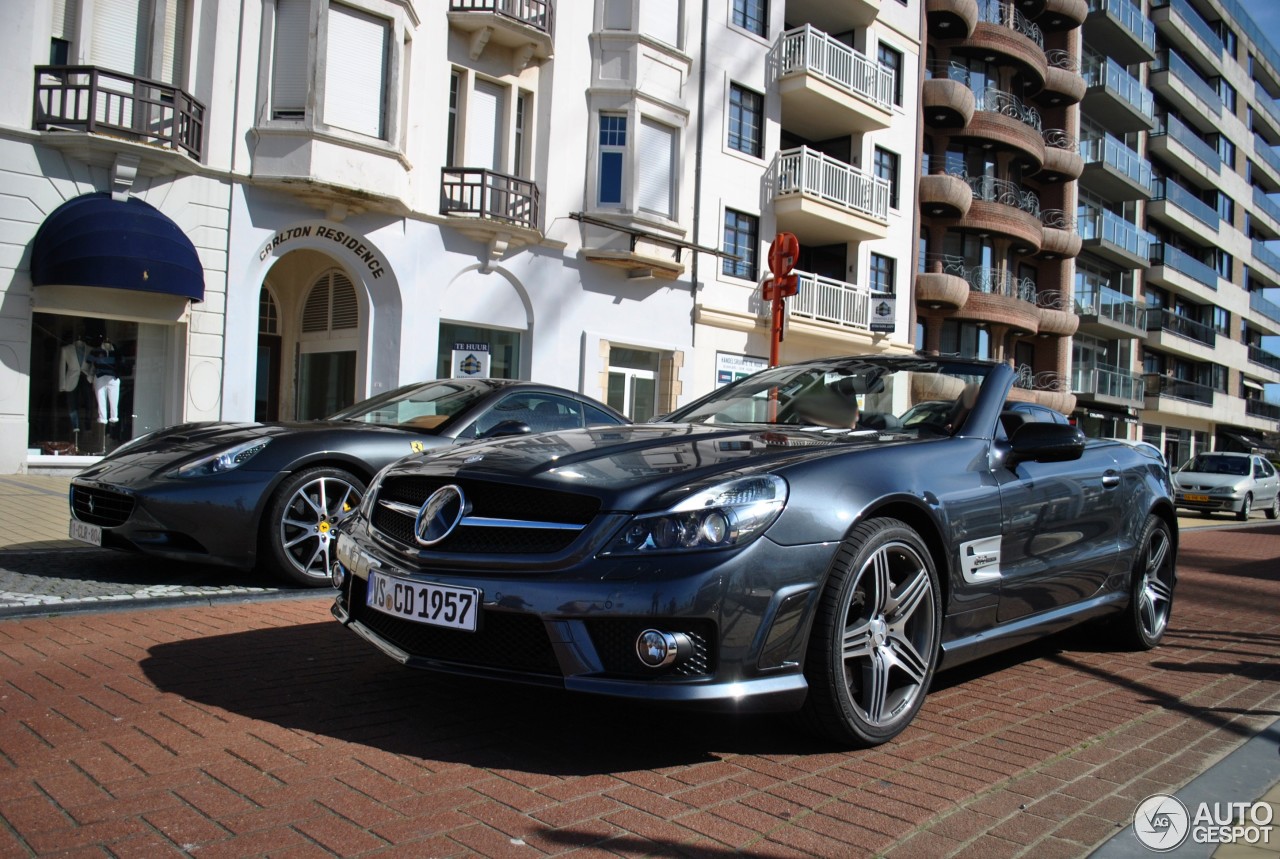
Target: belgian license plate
{"type": "Point", "coordinates": [421, 602]}
{"type": "Point", "coordinates": [85, 533]}
{"type": "Point", "coordinates": [1199, 499]}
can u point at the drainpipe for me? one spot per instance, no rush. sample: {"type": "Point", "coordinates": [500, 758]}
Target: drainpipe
{"type": "Point", "coordinates": [697, 175]}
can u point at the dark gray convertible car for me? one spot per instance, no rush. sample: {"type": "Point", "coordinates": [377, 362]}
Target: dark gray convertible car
{"type": "Point", "coordinates": [788, 542]}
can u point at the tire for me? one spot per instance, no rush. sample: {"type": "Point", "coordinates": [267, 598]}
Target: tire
{"type": "Point", "coordinates": [1273, 512]}
{"type": "Point", "coordinates": [875, 640]}
{"type": "Point", "coordinates": [1151, 585]}
{"type": "Point", "coordinates": [298, 530]}
{"type": "Point", "coordinates": [1246, 507]}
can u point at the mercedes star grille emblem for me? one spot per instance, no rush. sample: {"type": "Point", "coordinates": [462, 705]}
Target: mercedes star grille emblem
{"type": "Point", "coordinates": [439, 515]}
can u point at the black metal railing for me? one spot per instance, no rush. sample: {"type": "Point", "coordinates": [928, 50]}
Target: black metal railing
{"type": "Point", "coordinates": [538, 14]}
{"type": "Point", "coordinates": [100, 101]}
{"type": "Point", "coordinates": [488, 194]}
{"type": "Point", "coordinates": [1167, 320]}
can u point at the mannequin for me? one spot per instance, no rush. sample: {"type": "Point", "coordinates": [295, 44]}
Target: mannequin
{"type": "Point", "coordinates": [106, 381]}
{"type": "Point", "coordinates": [72, 372]}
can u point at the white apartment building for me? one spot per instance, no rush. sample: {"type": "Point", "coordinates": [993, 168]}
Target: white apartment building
{"type": "Point", "coordinates": [271, 208]}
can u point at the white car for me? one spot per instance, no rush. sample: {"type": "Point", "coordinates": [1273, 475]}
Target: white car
{"type": "Point", "coordinates": [1235, 482]}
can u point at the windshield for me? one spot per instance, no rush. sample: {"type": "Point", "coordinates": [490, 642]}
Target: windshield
{"type": "Point", "coordinates": [1208, 463]}
{"type": "Point", "coordinates": [911, 396]}
{"type": "Point", "coordinates": [426, 406]}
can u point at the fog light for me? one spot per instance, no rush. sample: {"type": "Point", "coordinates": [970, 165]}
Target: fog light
{"type": "Point", "coordinates": [338, 575]}
{"type": "Point", "coordinates": [657, 649]}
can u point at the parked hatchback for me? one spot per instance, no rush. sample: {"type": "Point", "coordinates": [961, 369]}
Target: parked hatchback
{"type": "Point", "coordinates": [1234, 482]}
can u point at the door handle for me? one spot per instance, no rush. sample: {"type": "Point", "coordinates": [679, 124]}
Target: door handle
{"type": "Point", "coordinates": [1110, 480]}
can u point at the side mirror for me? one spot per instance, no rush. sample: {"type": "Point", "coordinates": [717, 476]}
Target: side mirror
{"type": "Point", "coordinates": [507, 427]}
{"type": "Point", "coordinates": [1045, 442]}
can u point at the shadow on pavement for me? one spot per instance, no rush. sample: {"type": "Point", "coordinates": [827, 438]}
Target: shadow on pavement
{"type": "Point", "coordinates": [321, 678]}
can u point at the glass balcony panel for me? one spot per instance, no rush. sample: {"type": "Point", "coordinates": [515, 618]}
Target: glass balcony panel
{"type": "Point", "coordinates": [1110, 151]}
{"type": "Point", "coordinates": [1171, 62]}
{"type": "Point", "coordinates": [1269, 309]}
{"type": "Point", "coordinates": [1261, 356]}
{"type": "Point", "coordinates": [1107, 382]}
{"type": "Point", "coordinates": [1188, 202]}
{"type": "Point", "coordinates": [1191, 18]}
{"type": "Point", "coordinates": [1181, 261]}
{"type": "Point", "coordinates": [1104, 71]}
{"type": "Point", "coordinates": [1110, 227]}
{"type": "Point", "coordinates": [1131, 18]}
{"type": "Point", "coordinates": [1167, 320]}
{"type": "Point", "coordinates": [1202, 150]}
{"type": "Point", "coordinates": [1179, 389]}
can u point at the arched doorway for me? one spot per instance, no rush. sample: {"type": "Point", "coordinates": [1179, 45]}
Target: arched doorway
{"type": "Point", "coordinates": [328, 347]}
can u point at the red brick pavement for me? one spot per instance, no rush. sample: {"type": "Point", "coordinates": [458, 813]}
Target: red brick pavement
{"type": "Point", "coordinates": [267, 729]}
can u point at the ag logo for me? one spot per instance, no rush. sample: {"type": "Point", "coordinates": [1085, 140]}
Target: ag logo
{"type": "Point", "coordinates": [1161, 822]}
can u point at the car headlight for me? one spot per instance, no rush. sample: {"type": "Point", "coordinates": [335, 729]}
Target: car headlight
{"type": "Point", "coordinates": [720, 516]}
{"type": "Point", "coordinates": [223, 460]}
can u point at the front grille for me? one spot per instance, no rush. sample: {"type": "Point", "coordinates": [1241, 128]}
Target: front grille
{"type": "Point", "coordinates": [491, 500]}
{"type": "Point", "coordinates": [101, 506]}
{"type": "Point", "coordinates": [505, 640]}
{"type": "Point", "coordinates": [615, 641]}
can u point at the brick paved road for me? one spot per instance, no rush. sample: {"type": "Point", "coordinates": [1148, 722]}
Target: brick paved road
{"type": "Point", "coordinates": [265, 728]}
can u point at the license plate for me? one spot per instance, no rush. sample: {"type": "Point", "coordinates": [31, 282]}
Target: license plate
{"type": "Point", "coordinates": [433, 604]}
{"type": "Point", "coordinates": [85, 533]}
{"type": "Point", "coordinates": [1201, 499]}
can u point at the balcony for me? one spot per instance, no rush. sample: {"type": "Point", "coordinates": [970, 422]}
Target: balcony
{"type": "Point", "coordinates": [1183, 27]}
{"type": "Point", "coordinates": [951, 19]}
{"type": "Point", "coordinates": [1005, 31]}
{"type": "Point", "coordinates": [825, 299]}
{"type": "Point", "coordinates": [1176, 142]}
{"type": "Point", "coordinates": [998, 298]}
{"type": "Point", "coordinates": [1267, 260]}
{"type": "Point", "coordinates": [1258, 355]}
{"type": "Point", "coordinates": [491, 207]}
{"type": "Point", "coordinates": [1265, 114]}
{"type": "Point", "coordinates": [524, 26]}
{"type": "Point", "coordinates": [1108, 386]}
{"type": "Point", "coordinates": [1114, 239]}
{"type": "Point", "coordinates": [946, 101]}
{"type": "Point", "coordinates": [1261, 306]}
{"type": "Point", "coordinates": [1063, 84]}
{"type": "Point", "coordinates": [834, 17]}
{"type": "Point", "coordinates": [1119, 29]}
{"type": "Point", "coordinates": [1063, 14]}
{"type": "Point", "coordinates": [89, 100]}
{"type": "Point", "coordinates": [1060, 240]}
{"type": "Point", "coordinates": [1171, 266]}
{"type": "Point", "coordinates": [1116, 98]}
{"type": "Point", "coordinates": [1181, 208]}
{"type": "Point", "coordinates": [1160, 387]}
{"type": "Point", "coordinates": [943, 194]}
{"type": "Point", "coordinates": [1110, 314]}
{"type": "Point", "coordinates": [1062, 161]}
{"type": "Point", "coordinates": [828, 88]}
{"type": "Point", "coordinates": [823, 200]}
{"type": "Point", "coordinates": [1004, 208]}
{"type": "Point", "coordinates": [1266, 215]}
{"type": "Point", "coordinates": [1180, 328]}
{"type": "Point", "coordinates": [1260, 409]}
{"type": "Point", "coordinates": [1265, 170]}
{"type": "Point", "coordinates": [1003, 119]}
{"type": "Point", "coordinates": [1056, 319]}
{"type": "Point", "coordinates": [1114, 170]}
{"type": "Point", "coordinates": [1175, 79]}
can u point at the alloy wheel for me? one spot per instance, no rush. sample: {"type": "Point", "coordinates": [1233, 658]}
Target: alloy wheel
{"type": "Point", "coordinates": [1156, 596]}
{"type": "Point", "coordinates": [311, 515]}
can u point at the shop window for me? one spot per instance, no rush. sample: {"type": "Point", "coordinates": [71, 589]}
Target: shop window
{"type": "Point", "coordinates": [96, 383]}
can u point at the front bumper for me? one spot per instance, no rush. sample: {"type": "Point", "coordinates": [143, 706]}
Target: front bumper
{"type": "Point", "coordinates": [1213, 504]}
{"type": "Point", "coordinates": [207, 520]}
{"type": "Point", "coordinates": [748, 614]}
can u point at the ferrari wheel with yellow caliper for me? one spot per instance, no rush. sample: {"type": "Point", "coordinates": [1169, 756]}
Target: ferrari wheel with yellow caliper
{"type": "Point", "coordinates": [299, 528]}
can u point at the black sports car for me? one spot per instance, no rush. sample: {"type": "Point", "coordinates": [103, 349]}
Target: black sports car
{"type": "Point", "coordinates": [783, 543]}
{"type": "Point", "coordinates": [270, 494]}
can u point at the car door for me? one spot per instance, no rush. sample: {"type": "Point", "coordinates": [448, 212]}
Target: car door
{"type": "Point", "coordinates": [1267, 482]}
{"type": "Point", "coordinates": [1061, 531]}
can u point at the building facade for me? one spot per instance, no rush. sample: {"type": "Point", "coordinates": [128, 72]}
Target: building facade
{"type": "Point", "coordinates": [360, 189]}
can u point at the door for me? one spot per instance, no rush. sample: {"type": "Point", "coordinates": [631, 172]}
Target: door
{"type": "Point", "coordinates": [1061, 532]}
{"type": "Point", "coordinates": [266, 400]}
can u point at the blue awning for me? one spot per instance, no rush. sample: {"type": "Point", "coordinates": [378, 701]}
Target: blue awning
{"type": "Point", "coordinates": [95, 240]}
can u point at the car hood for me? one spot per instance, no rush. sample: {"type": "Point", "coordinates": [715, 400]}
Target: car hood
{"type": "Point", "coordinates": [168, 448]}
{"type": "Point", "coordinates": [1199, 480]}
{"type": "Point", "coordinates": [628, 466]}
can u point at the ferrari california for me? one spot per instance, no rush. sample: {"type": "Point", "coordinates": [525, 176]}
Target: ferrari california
{"type": "Point", "coordinates": [787, 542]}
{"type": "Point", "coordinates": [269, 495]}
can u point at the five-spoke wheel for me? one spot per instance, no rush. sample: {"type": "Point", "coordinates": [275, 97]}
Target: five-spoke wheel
{"type": "Point", "coordinates": [875, 640]}
{"type": "Point", "coordinates": [1151, 594]}
{"type": "Point", "coordinates": [301, 519]}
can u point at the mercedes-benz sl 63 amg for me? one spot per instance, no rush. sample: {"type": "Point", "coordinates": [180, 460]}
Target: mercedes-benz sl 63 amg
{"type": "Point", "coordinates": [819, 537]}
